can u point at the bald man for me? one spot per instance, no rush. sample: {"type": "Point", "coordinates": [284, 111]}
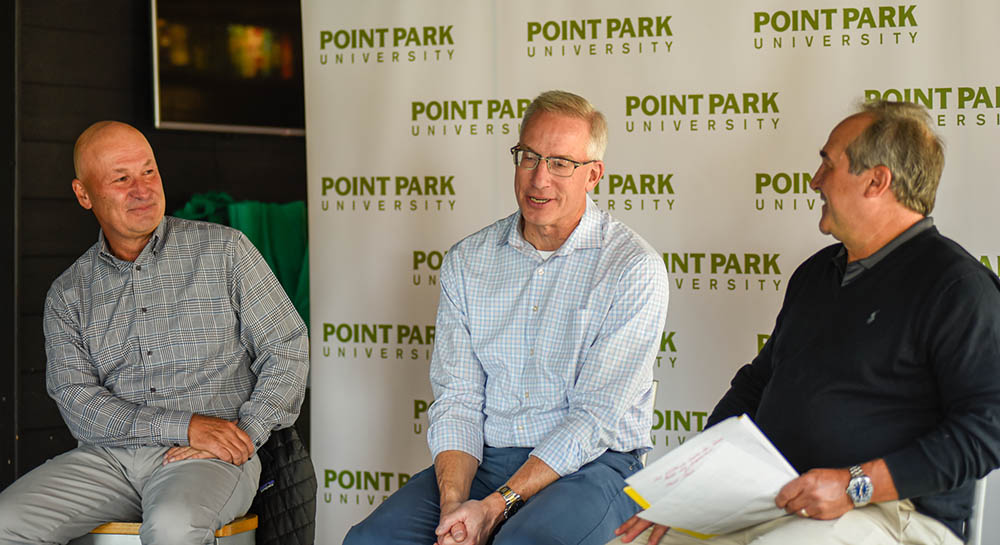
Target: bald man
{"type": "Point", "coordinates": [172, 352]}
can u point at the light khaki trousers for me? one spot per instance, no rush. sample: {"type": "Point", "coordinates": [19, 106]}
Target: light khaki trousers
{"type": "Point", "coordinates": [887, 523]}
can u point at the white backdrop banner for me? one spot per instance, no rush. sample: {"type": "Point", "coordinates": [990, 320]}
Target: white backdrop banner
{"type": "Point", "coordinates": [716, 114]}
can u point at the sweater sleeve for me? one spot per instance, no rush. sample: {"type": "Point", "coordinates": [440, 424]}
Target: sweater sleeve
{"type": "Point", "coordinates": [962, 329]}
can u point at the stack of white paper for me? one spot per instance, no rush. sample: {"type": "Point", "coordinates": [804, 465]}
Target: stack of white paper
{"type": "Point", "coordinates": [719, 481]}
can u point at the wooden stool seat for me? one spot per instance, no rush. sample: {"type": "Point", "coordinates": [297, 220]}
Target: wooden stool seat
{"type": "Point", "coordinates": [242, 531]}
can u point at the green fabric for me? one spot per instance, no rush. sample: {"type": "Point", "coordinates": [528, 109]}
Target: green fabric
{"type": "Point", "coordinates": [279, 231]}
{"type": "Point", "coordinates": [212, 206]}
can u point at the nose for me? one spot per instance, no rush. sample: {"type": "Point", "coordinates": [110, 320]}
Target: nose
{"type": "Point", "coordinates": [539, 178]}
{"type": "Point", "coordinates": [142, 188]}
{"type": "Point", "coordinates": [814, 183]}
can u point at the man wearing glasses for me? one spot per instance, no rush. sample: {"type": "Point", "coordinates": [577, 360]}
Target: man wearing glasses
{"type": "Point", "coordinates": [548, 326]}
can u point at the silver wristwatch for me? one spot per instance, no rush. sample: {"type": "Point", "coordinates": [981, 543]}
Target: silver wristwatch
{"type": "Point", "coordinates": [512, 499]}
{"type": "Point", "coordinates": [860, 488]}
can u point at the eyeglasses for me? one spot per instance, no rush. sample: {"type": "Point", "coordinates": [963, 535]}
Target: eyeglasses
{"type": "Point", "coordinates": [558, 166]}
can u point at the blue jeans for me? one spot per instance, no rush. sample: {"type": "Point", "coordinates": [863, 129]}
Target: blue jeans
{"type": "Point", "coordinates": [581, 508]}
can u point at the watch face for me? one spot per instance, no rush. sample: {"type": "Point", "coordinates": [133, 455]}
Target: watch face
{"type": "Point", "coordinates": [860, 490]}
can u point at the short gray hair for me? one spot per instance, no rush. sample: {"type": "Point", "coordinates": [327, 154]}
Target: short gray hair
{"type": "Point", "coordinates": [571, 105]}
{"type": "Point", "coordinates": [900, 137]}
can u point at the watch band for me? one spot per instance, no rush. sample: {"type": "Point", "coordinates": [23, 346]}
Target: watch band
{"type": "Point", "coordinates": [512, 499]}
{"type": "Point", "coordinates": [859, 488]}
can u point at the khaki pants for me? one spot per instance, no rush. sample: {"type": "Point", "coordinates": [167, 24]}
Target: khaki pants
{"type": "Point", "coordinates": [181, 502]}
{"type": "Point", "coordinates": [887, 523]}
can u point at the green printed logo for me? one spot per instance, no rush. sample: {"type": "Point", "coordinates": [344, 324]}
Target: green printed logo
{"type": "Point", "coordinates": [727, 272]}
{"type": "Point", "coordinates": [425, 267]}
{"type": "Point", "coordinates": [600, 37]}
{"type": "Point", "coordinates": [682, 424]}
{"type": "Point", "coordinates": [841, 27]}
{"type": "Point", "coordinates": [702, 112]}
{"type": "Point", "coordinates": [382, 45]}
{"type": "Point", "coordinates": [378, 341]}
{"type": "Point", "coordinates": [976, 106]}
{"type": "Point", "coordinates": [379, 194]}
{"type": "Point", "coordinates": [985, 260]}
{"type": "Point", "coordinates": [635, 192]}
{"type": "Point", "coordinates": [361, 486]}
{"type": "Point", "coordinates": [784, 191]}
{"type": "Point", "coordinates": [420, 407]}
{"type": "Point", "coordinates": [668, 350]}
{"type": "Point", "coordinates": [761, 341]}
{"type": "Point", "coordinates": [468, 117]}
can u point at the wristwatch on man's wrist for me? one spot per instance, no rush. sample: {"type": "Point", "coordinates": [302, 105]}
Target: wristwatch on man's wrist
{"type": "Point", "coordinates": [512, 499]}
{"type": "Point", "coordinates": [860, 488]}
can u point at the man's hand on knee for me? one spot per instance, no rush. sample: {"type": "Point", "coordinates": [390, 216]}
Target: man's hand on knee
{"type": "Point", "coordinates": [470, 523]}
{"type": "Point", "coordinates": [220, 437]}
{"type": "Point", "coordinates": [176, 454]}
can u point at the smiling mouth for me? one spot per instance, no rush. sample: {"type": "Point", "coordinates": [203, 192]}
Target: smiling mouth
{"type": "Point", "coordinates": [538, 201]}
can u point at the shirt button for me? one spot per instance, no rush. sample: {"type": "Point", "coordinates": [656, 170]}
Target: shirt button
{"type": "Point", "coordinates": [149, 352]}
{"type": "Point", "coordinates": [526, 395]}
{"type": "Point", "coordinates": [520, 428]}
{"type": "Point", "coordinates": [541, 271]}
{"type": "Point", "coordinates": [138, 267]}
{"type": "Point", "coordinates": [152, 390]}
{"type": "Point", "coordinates": [531, 352]}
{"type": "Point", "coordinates": [177, 444]}
{"type": "Point", "coordinates": [534, 308]}
{"type": "Point", "coordinates": [144, 309]}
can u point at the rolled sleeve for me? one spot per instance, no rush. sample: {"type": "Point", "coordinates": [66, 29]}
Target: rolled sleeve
{"type": "Point", "coordinates": [457, 378]}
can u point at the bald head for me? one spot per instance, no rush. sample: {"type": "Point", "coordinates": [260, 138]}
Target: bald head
{"type": "Point", "coordinates": [117, 178]}
{"type": "Point", "coordinates": [91, 139]}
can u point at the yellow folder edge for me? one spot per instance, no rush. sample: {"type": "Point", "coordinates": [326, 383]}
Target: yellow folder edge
{"type": "Point", "coordinates": [636, 497]}
{"type": "Point", "coordinates": [645, 505]}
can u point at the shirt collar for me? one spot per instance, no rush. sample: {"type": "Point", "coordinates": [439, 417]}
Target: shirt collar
{"type": "Point", "coordinates": [152, 247]}
{"type": "Point", "coordinates": [587, 233]}
{"type": "Point", "coordinates": [854, 269]}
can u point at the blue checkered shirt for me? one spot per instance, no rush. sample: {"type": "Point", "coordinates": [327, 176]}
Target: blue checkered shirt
{"type": "Point", "coordinates": [555, 354]}
{"type": "Point", "coordinates": [196, 324]}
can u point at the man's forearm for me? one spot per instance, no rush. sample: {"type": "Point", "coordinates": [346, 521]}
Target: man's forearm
{"type": "Point", "coordinates": [884, 489]}
{"type": "Point", "coordinates": [532, 477]}
{"type": "Point", "coordinates": [455, 470]}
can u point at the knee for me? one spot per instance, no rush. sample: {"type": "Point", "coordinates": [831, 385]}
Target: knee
{"type": "Point", "coordinates": [13, 517]}
{"type": "Point", "coordinates": [178, 524]}
{"type": "Point", "coordinates": [534, 535]}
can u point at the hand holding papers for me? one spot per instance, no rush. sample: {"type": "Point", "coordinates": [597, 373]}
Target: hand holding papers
{"type": "Point", "coordinates": [722, 480]}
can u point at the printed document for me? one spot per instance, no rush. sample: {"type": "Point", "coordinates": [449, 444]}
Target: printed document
{"type": "Point", "coordinates": [719, 481]}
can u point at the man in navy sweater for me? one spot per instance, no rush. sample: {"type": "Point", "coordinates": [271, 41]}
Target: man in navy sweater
{"type": "Point", "coordinates": [881, 380]}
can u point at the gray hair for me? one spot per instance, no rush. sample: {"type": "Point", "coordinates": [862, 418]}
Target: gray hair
{"type": "Point", "coordinates": [900, 137]}
{"type": "Point", "coordinates": [571, 105]}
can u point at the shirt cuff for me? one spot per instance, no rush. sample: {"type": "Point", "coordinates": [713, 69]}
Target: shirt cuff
{"type": "Point", "coordinates": [445, 435]}
{"type": "Point", "coordinates": [562, 452]}
{"type": "Point", "coordinates": [257, 429]}
{"type": "Point", "coordinates": [173, 428]}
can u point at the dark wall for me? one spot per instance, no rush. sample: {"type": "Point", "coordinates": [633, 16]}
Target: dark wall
{"type": "Point", "coordinates": [81, 61]}
{"type": "Point", "coordinates": [8, 265]}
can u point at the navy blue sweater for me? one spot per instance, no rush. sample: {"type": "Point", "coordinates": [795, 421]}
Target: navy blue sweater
{"type": "Point", "coordinates": [903, 364]}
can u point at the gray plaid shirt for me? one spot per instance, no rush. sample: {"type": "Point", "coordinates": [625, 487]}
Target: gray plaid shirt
{"type": "Point", "coordinates": [196, 324]}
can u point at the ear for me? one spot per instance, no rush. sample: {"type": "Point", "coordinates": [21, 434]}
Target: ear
{"type": "Point", "coordinates": [881, 179]}
{"type": "Point", "coordinates": [595, 175]}
{"type": "Point", "coordinates": [81, 194]}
